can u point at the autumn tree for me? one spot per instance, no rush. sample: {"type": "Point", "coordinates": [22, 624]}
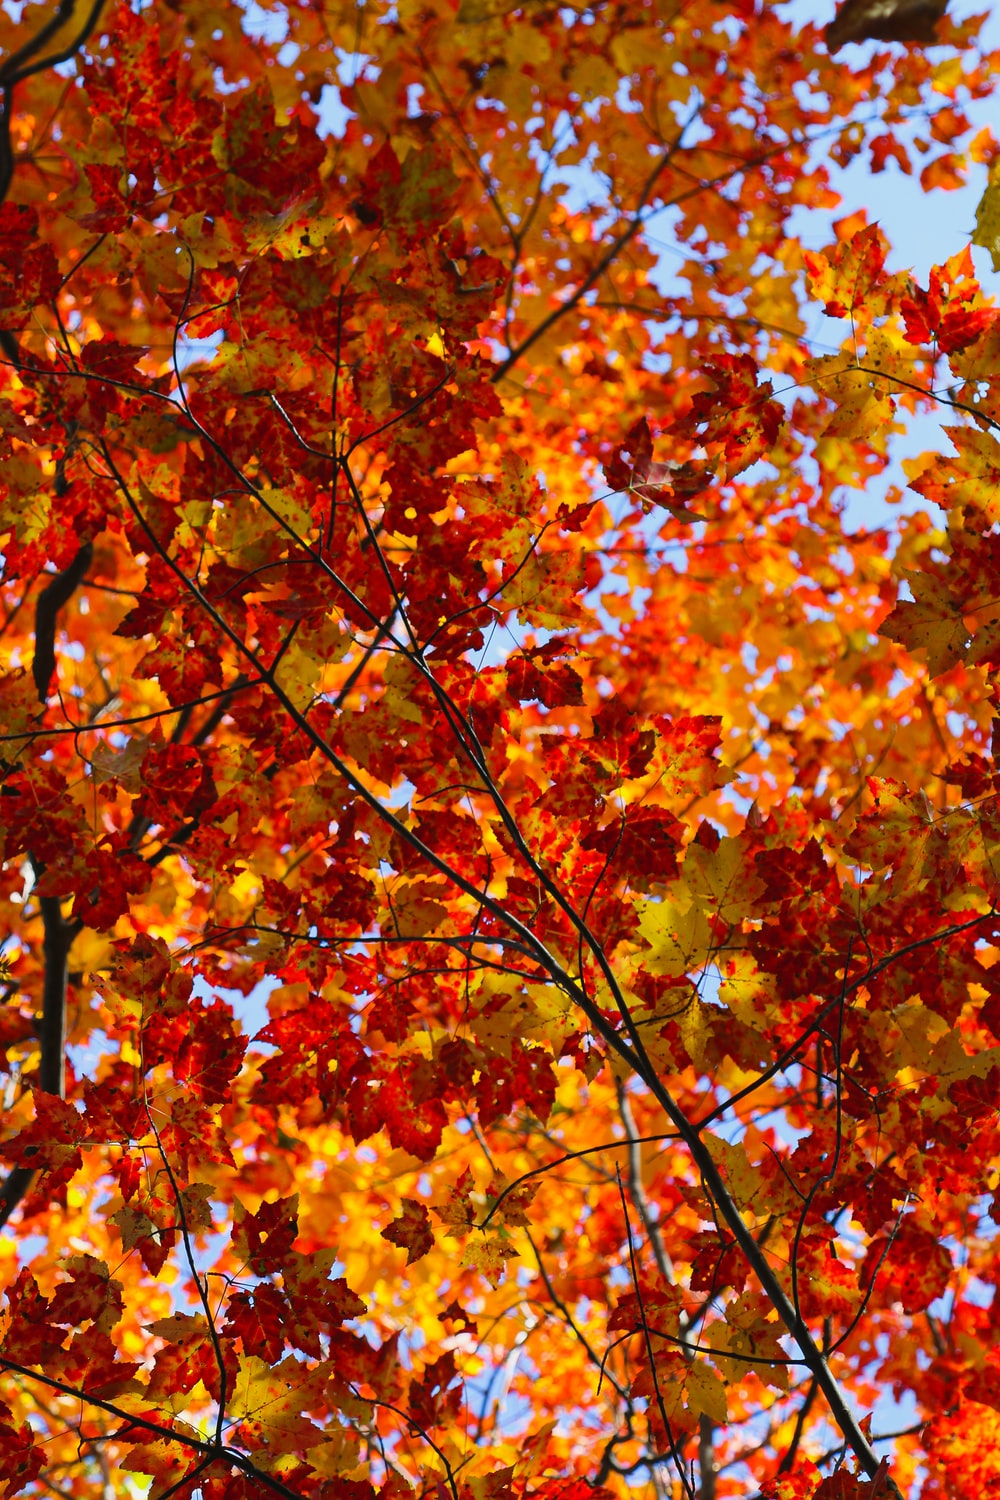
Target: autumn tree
{"type": "Point", "coordinates": [499, 886]}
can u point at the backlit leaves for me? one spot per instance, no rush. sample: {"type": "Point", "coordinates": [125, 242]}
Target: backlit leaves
{"type": "Point", "coordinates": [412, 1231]}
{"type": "Point", "coordinates": [498, 898]}
{"type": "Point", "coordinates": [987, 231]}
{"type": "Point", "coordinates": [849, 280]}
{"type": "Point", "coordinates": [268, 1403]}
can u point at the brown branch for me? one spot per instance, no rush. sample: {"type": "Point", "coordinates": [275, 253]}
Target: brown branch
{"type": "Point", "coordinates": [788, 1457]}
{"type": "Point", "coordinates": [20, 65]}
{"type": "Point", "coordinates": [57, 934]}
{"type": "Point", "coordinates": [52, 1034]}
{"type": "Point", "coordinates": [50, 601]}
{"type": "Point", "coordinates": [24, 62]}
{"type": "Point", "coordinates": [664, 1264]}
{"type": "Point", "coordinates": [675, 1450]}
{"type": "Point", "coordinates": [55, 949]}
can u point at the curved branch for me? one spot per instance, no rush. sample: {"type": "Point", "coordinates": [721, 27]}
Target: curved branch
{"type": "Point", "coordinates": [58, 935]}
{"type": "Point", "coordinates": [20, 65]}
{"type": "Point", "coordinates": [50, 601]}
{"type": "Point", "coordinates": [52, 1035]}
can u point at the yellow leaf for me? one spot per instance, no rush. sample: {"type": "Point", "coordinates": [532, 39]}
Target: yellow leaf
{"type": "Point", "coordinates": [741, 1176]}
{"type": "Point", "coordinates": [18, 708]}
{"type": "Point", "coordinates": [719, 879]}
{"type": "Point", "coordinates": [693, 1023]}
{"type": "Point", "coordinates": [706, 1393]}
{"type": "Point", "coordinates": [750, 1330]}
{"type": "Point", "coordinates": [27, 499]}
{"type": "Point", "coordinates": [679, 936]}
{"type": "Point", "coordinates": [269, 1402]}
{"type": "Point", "coordinates": [555, 1015]}
{"type": "Point", "coordinates": [180, 1328]}
{"type": "Point", "coordinates": [287, 506]}
{"type": "Point", "coordinates": [863, 406]}
{"type": "Point", "coordinates": [500, 1025]}
{"type": "Point", "coordinates": [987, 230]}
{"type": "Point", "coordinates": [932, 621]}
{"type": "Point", "coordinates": [968, 482]}
{"type": "Point", "coordinates": [122, 765]}
{"type": "Point", "coordinates": [489, 1256]}
{"type": "Point", "coordinates": [304, 664]}
{"type": "Point", "coordinates": [744, 988]}
{"type": "Point", "coordinates": [165, 1462]}
{"type": "Point", "coordinates": [414, 910]}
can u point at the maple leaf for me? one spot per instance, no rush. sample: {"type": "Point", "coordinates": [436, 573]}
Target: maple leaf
{"type": "Point", "coordinates": [21, 1458]}
{"type": "Point", "coordinates": [411, 1231]}
{"type": "Point", "coordinates": [139, 1231]}
{"type": "Point", "coordinates": [511, 1201]}
{"type": "Point", "coordinates": [165, 1461]}
{"type": "Point", "coordinates": [966, 483]}
{"type": "Point", "coordinates": [435, 1398]}
{"type": "Point", "coordinates": [256, 1318]}
{"type": "Point", "coordinates": [458, 1208]}
{"type": "Point", "coordinates": [954, 613]}
{"type": "Point", "coordinates": [851, 278]}
{"type": "Point", "coordinates": [911, 1267]}
{"type": "Point", "coordinates": [668, 483]}
{"type": "Point", "coordinates": [678, 933]}
{"type": "Point", "coordinates": [933, 622]}
{"type": "Point", "coordinates": [29, 271]}
{"type": "Point", "coordinates": [263, 1239]}
{"type": "Point", "coordinates": [490, 1256]}
{"type": "Point", "coordinates": [800, 1482]}
{"type": "Point", "coordinates": [52, 1141]}
{"type": "Point", "coordinates": [267, 1403]}
{"type": "Point", "coordinates": [89, 1293]}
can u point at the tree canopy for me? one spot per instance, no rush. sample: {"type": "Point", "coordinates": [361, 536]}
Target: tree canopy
{"type": "Point", "coordinates": [499, 877]}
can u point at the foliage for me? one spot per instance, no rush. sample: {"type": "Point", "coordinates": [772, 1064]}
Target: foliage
{"type": "Point", "coordinates": [500, 880]}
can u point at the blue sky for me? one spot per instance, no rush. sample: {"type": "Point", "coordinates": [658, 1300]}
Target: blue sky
{"type": "Point", "coordinates": [924, 229]}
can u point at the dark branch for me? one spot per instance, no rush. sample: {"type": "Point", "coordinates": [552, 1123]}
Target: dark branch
{"type": "Point", "coordinates": [50, 602]}
{"type": "Point", "coordinates": [52, 1034]}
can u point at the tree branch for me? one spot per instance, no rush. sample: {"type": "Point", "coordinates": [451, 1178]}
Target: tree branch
{"type": "Point", "coordinates": [50, 602]}
{"type": "Point", "coordinates": [58, 936]}
{"type": "Point", "coordinates": [52, 1035]}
